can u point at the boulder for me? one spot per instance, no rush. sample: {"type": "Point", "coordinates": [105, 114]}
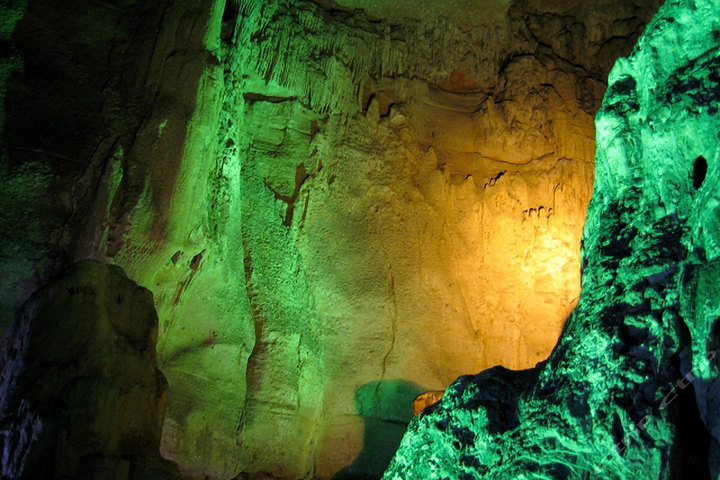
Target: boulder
{"type": "Point", "coordinates": [80, 393]}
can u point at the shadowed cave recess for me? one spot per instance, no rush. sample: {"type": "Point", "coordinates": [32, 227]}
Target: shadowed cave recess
{"type": "Point", "coordinates": [337, 205]}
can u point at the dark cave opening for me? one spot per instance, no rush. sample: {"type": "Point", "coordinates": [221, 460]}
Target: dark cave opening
{"type": "Point", "coordinates": [699, 171]}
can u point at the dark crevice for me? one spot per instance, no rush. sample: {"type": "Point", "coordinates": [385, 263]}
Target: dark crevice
{"type": "Point", "coordinates": [229, 20]}
{"type": "Point", "coordinates": [387, 111]}
{"type": "Point", "coordinates": [366, 104]}
{"type": "Point", "coordinates": [699, 172]}
{"type": "Point", "coordinates": [251, 97]}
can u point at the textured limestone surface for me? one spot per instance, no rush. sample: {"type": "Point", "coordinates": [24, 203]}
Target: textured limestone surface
{"type": "Point", "coordinates": [631, 390]}
{"type": "Point", "coordinates": [80, 393]}
{"type": "Point", "coordinates": [410, 196]}
{"type": "Point", "coordinates": [466, 14]}
{"type": "Point", "coordinates": [335, 209]}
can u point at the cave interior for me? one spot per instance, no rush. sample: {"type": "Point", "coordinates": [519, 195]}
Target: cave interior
{"type": "Point", "coordinates": [349, 239]}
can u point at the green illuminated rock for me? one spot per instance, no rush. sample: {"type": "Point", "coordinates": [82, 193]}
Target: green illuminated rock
{"type": "Point", "coordinates": [631, 389]}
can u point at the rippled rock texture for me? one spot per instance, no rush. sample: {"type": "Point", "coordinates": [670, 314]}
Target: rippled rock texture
{"type": "Point", "coordinates": [631, 390]}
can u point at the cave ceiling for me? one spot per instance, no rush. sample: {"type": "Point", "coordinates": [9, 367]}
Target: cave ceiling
{"type": "Point", "coordinates": [464, 13]}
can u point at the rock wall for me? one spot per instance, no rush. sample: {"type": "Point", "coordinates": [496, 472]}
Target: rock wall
{"type": "Point", "coordinates": [335, 209]}
{"type": "Point", "coordinates": [422, 198]}
{"type": "Point", "coordinates": [631, 388]}
{"type": "Point", "coordinates": [80, 393]}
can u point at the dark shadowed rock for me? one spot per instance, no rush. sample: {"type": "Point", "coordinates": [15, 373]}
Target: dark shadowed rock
{"type": "Point", "coordinates": [80, 393]}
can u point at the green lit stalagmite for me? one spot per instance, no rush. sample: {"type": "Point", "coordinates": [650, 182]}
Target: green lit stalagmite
{"type": "Point", "coordinates": [634, 375]}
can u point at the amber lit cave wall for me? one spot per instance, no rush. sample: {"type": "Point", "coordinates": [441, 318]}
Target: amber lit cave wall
{"type": "Point", "coordinates": [336, 205]}
{"type": "Point", "coordinates": [631, 389]}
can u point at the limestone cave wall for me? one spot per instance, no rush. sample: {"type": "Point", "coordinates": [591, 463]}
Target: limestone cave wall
{"type": "Point", "coordinates": [335, 208]}
{"type": "Point", "coordinates": [631, 389]}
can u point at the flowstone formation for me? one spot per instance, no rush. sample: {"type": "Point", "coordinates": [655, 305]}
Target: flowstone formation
{"type": "Point", "coordinates": [80, 393]}
{"type": "Point", "coordinates": [327, 203]}
{"type": "Point", "coordinates": [404, 200]}
{"type": "Point", "coordinates": [631, 389]}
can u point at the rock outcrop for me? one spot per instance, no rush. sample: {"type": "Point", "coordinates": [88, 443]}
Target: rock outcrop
{"type": "Point", "coordinates": [80, 393]}
{"type": "Point", "coordinates": [630, 391]}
